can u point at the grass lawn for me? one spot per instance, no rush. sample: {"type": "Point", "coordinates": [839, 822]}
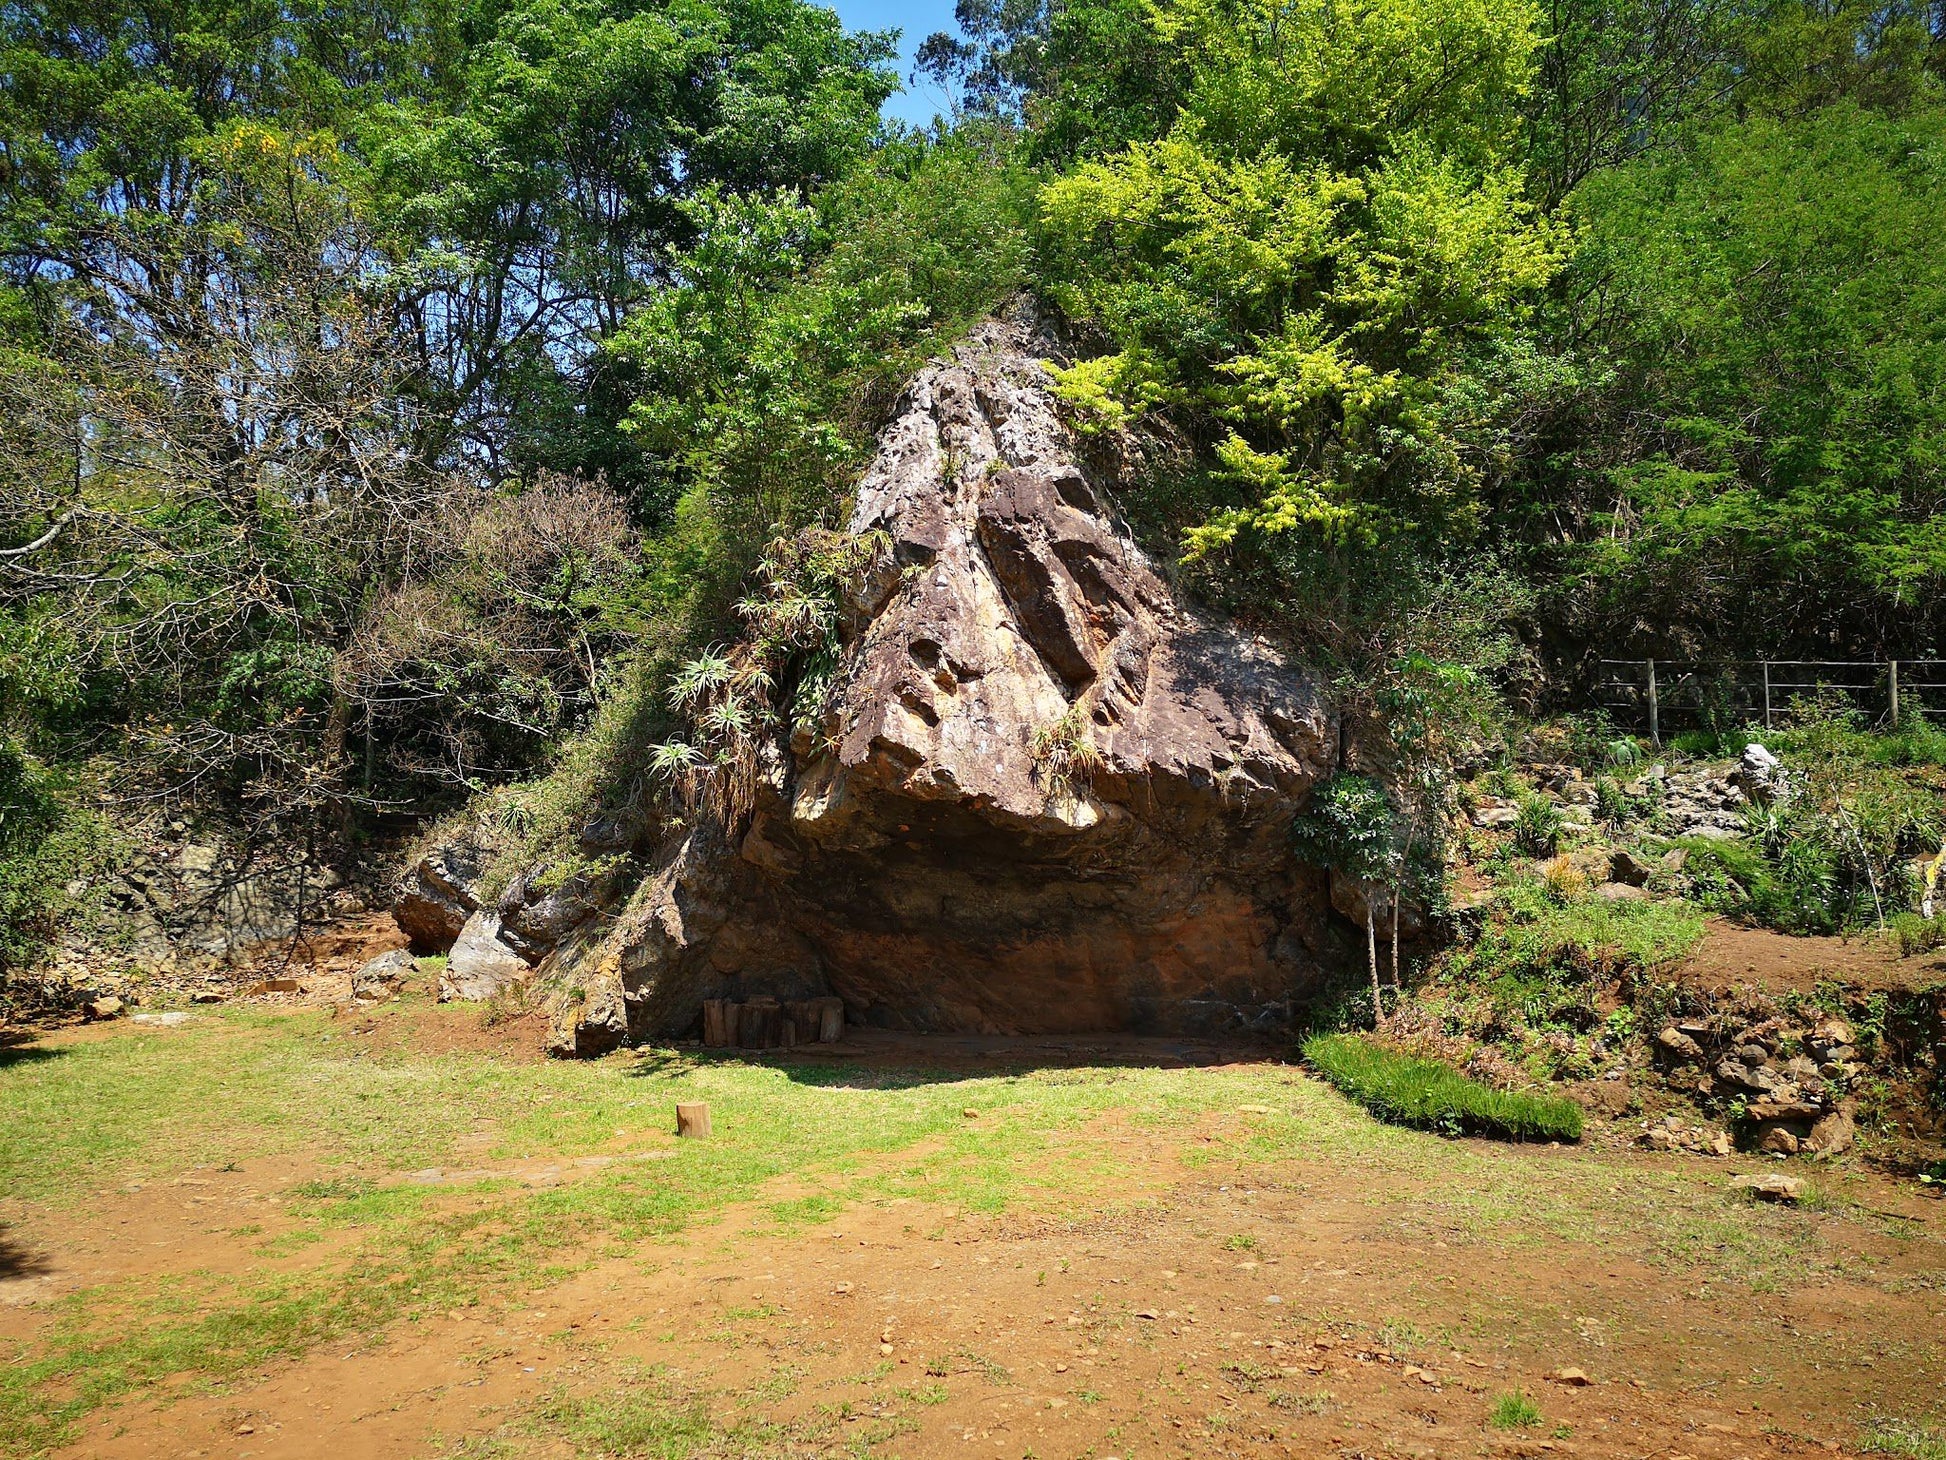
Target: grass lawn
{"type": "Point", "coordinates": [252, 1189]}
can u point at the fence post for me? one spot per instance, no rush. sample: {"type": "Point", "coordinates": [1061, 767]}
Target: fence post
{"type": "Point", "coordinates": [1766, 694]}
{"type": "Point", "coordinates": [1655, 727]}
{"type": "Point", "coordinates": [1895, 694]}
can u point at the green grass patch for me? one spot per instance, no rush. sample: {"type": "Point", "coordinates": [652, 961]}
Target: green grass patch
{"type": "Point", "coordinates": [1434, 1096]}
{"type": "Point", "coordinates": [1514, 1411]}
{"type": "Point", "coordinates": [1889, 1436]}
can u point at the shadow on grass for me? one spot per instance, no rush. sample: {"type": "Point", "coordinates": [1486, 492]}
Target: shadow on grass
{"type": "Point", "coordinates": [17, 1261]}
{"type": "Point", "coordinates": [882, 1061]}
{"type": "Point", "coordinates": [19, 1047]}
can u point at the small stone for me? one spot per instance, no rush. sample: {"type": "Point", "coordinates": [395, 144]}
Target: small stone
{"type": "Point", "coordinates": [1772, 1187]}
{"type": "Point", "coordinates": [1575, 1378]}
{"type": "Point", "coordinates": [1622, 892]}
{"type": "Point", "coordinates": [1832, 1032]}
{"type": "Point", "coordinates": [1777, 1140]}
{"type": "Point", "coordinates": [1148, 1313]}
{"type": "Point", "coordinates": [206, 996]}
{"type": "Point", "coordinates": [885, 1348]}
{"type": "Point", "coordinates": [970, 1113]}
{"type": "Point", "coordinates": [106, 1008]}
{"type": "Point", "coordinates": [1680, 1045]}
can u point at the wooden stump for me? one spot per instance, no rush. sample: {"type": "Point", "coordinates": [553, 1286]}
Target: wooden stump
{"type": "Point", "coordinates": [806, 1015]}
{"type": "Point", "coordinates": [719, 1023]}
{"type": "Point", "coordinates": [692, 1118]}
{"type": "Point", "coordinates": [831, 1020]}
{"type": "Point", "coordinates": [757, 1024]}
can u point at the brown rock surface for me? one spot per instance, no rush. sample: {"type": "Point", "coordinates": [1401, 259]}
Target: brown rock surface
{"type": "Point", "coordinates": [1044, 794]}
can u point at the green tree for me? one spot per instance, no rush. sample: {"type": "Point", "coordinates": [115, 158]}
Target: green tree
{"type": "Point", "coordinates": [1351, 828]}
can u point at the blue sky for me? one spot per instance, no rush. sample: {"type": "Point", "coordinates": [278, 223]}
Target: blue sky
{"type": "Point", "coordinates": [916, 21]}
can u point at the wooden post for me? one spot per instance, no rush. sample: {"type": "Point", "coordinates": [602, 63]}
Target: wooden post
{"type": "Point", "coordinates": [1895, 694]}
{"type": "Point", "coordinates": [719, 1023]}
{"type": "Point", "coordinates": [831, 1020]}
{"type": "Point", "coordinates": [692, 1118]}
{"type": "Point", "coordinates": [1655, 725]}
{"type": "Point", "coordinates": [757, 1025]}
{"type": "Point", "coordinates": [1766, 694]}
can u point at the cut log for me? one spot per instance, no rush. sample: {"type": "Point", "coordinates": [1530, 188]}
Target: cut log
{"type": "Point", "coordinates": [831, 1020]}
{"type": "Point", "coordinates": [757, 1024]}
{"type": "Point", "coordinates": [719, 1023]}
{"type": "Point", "coordinates": [692, 1118]}
{"type": "Point", "coordinates": [806, 1015]}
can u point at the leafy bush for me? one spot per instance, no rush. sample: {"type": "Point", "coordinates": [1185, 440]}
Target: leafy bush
{"type": "Point", "coordinates": [1434, 1096]}
{"type": "Point", "coordinates": [1537, 828]}
{"type": "Point", "coordinates": [46, 843]}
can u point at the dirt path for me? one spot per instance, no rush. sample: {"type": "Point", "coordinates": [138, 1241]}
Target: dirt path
{"type": "Point", "coordinates": [1213, 1311]}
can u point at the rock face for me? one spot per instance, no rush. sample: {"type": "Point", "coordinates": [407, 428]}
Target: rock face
{"type": "Point", "coordinates": [436, 897]}
{"type": "Point", "coordinates": [1042, 795]}
{"type": "Point", "coordinates": [481, 965]}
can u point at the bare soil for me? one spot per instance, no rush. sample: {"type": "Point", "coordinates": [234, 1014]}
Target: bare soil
{"type": "Point", "coordinates": [1211, 1312]}
{"type": "Point", "coordinates": [1731, 954]}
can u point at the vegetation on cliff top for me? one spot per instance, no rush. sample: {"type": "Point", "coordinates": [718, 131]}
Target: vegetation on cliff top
{"type": "Point", "coordinates": [401, 397]}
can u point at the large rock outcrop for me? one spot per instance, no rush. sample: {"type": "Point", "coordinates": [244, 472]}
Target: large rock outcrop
{"type": "Point", "coordinates": [1045, 795]}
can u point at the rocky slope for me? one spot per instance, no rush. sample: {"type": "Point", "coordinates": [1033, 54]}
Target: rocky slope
{"type": "Point", "coordinates": [1044, 794]}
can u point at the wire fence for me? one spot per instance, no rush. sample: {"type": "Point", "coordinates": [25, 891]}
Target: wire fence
{"type": "Point", "coordinates": [1658, 695]}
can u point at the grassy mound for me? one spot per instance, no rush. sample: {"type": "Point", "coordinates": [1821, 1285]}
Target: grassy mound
{"type": "Point", "coordinates": [1435, 1096]}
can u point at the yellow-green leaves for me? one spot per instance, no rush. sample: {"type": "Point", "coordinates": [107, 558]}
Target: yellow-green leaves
{"type": "Point", "coordinates": [1306, 265]}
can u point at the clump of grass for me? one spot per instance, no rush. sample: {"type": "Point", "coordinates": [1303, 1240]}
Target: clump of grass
{"type": "Point", "coordinates": [1514, 1411]}
{"type": "Point", "coordinates": [1433, 1096]}
{"type": "Point", "coordinates": [1916, 935]}
{"type": "Point", "coordinates": [1888, 1436]}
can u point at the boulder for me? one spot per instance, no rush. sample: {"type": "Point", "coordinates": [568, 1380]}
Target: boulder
{"type": "Point", "coordinates": [436, 897]}
{"type": "Point", "coordinates": [1833, 1134]}
{"type": "Point", "coordinates": [1041, 793]}
{"type": "Point", "coordinates": [1760, 774]}
{"type": "Point", "coordinates": [1625, 867]}
{"type": "Point", "coordinates": [1348, 898]}
{"type": "Point", "coordinates": [383, 976]}
{"type": "Point", "coordinates": [480, 965]}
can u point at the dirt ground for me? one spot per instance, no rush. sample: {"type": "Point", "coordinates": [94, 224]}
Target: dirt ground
{"type": "Point", "coordinates": [1316, 1305]}
{"type": "Point", "coordinates": [1730, 954]}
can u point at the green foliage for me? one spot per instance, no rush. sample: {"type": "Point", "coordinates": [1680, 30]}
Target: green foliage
{"type": "Point", "coordinates": [1778, 283]}
{"type": "Point", "coordinates": [1351, 828]}
{"type": "Point", "coordinates": [1916, 935]}
{"type": "Point", "coordinates": [1891, 1435]}
{"type": "Point", "coordinates": [1537, 827]}
{"type": "Point", "coordinates": [1434, 1096]}
{"type": "Point", "coordinates": [1540, 958]}
{"type": "Point", "coordinates": [47, 844]}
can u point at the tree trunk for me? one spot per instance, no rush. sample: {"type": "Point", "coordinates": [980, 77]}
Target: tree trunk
{"type": "Point", "coordinates": [1371, 957]}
